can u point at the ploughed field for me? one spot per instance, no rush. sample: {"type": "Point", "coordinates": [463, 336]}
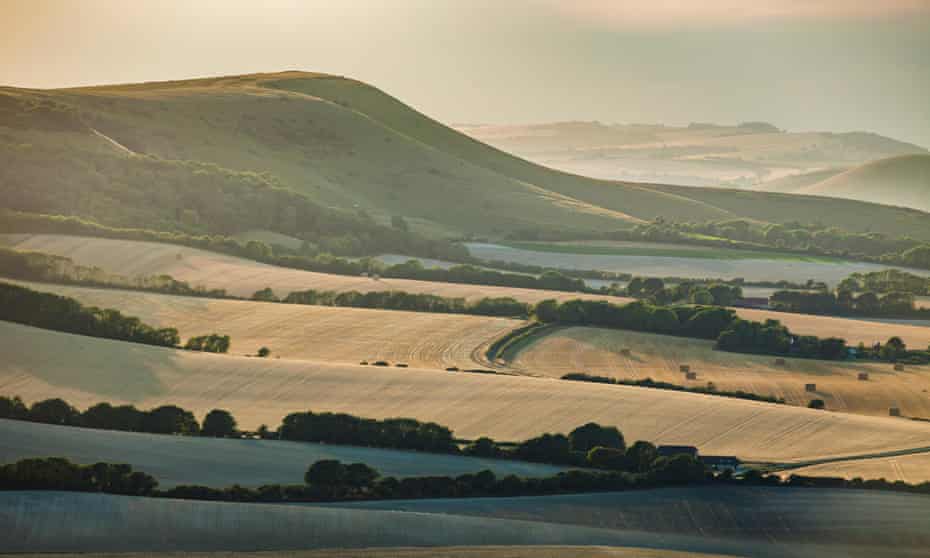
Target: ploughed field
{"type": "Point", "coordinates": [600, 352]}
{"type": "Point", "coordinates": [739, 521]}
{"type": "Point", "coordinates": [39, 364]}
{"type": "Point", "coordinates": [185, 460]}
{"type": "Point", "coordinates": [296, 331]}
{"type": "Point", "coordinates": [242, 277]}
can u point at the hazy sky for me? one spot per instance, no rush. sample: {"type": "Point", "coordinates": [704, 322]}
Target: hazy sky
{"type": "Point", "coordinates": [801, 64]}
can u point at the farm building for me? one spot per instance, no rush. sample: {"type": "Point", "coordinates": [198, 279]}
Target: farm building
{"type": "Point", "coordinates": [721, 463]}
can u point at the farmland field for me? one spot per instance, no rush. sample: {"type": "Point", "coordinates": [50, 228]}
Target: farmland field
{"type": "Point", "coordinates": [598, 351]}
{"type": "Point", "coordinates": [244, 277]}
{"type": "Point", "coordinates": [175, 460]}
{"type": "Point", "coordinates": [295, 331]}
{"type": "Point", "coordinates": [913, 469]}
{"type": "Point", "coordinates": [239, 276]}
{"type": "Point", "coordinates": [736, 521]}
{"type": "Point", "coordinates": [694, 261]}
{"type": "Point", "coordinates": [85, 370]}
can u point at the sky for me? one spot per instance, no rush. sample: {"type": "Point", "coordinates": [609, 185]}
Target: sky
{"type": "Point", "coordinates": [836, 65]}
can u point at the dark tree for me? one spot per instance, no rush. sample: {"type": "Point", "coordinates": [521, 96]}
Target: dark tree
{"type": "Point", "coordinates": [607, 458]}
{"type": "Point", "coordinates": [640, 456]}
{"type": "Point", "coordinates": [817, 404]}
{"type": "Point", "coordinates": [219, 424]}
{"type": "Point", "coordinates": [54, 411]}
{"type": "Point", "coordinates": [591, 435]}
{"type": "Point", "coordinates": [264, 352]}
{"type": "Point", "coordinates": [170, 419]}
{"type": "Point", "coordinates": [326, 472]}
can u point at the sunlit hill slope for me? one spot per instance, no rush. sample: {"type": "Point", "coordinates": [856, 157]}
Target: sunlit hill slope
{"type": "Point", "coordinates": [115, 153]}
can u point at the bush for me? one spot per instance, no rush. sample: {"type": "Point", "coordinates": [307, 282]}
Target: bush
{"type": "Point", "coordinates": [817, 404]}
{"type": "Point", "coordinates": [264, 352]}
{"type": "Point", "coordinates": [54, 411]}
{"type": "Point", "coordinates": [212, 343]}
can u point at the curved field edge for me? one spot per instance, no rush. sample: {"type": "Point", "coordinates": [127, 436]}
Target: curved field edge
{"type": "Point", "coordinates": [242, 277]}
{"type": "Point", "coordinates": [40, 364]}
{"type": "Point", "coordinates": [739, 522]}
{"type": "Point", "coordinates": [215, 462]}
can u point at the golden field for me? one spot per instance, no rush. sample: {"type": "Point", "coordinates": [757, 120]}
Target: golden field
{"type": "Point", "coordinates": [598, 351]}
{"type": "Point", "coordinates": [242, 277]}
{"type": "Point", "coordinates": [293, 331]}
{"type": "Point", "coordinates": [85, 370]}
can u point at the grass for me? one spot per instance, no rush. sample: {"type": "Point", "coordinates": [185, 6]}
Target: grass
{"type": "Point", "coordinates": [82, 370]}
{"type": "Point", "coordinates": [620, 249]}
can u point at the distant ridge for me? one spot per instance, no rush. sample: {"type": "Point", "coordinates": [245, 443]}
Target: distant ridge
{"type": "Point", "coordinates": [901, 181]}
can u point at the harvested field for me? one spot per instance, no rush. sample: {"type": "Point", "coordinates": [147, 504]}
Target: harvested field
{"type": "Point", "coordinates": [853, 331]}
{"type": "Point", "coordinates": [39, 364]}
{"type": "Point", "coordinates": [175, 460]}
{"type": "Point", "coordinates": [243, 277]}
{"type": "Point", "coordinates": [738, 521]}
{"type": "Point", "coordinates": [600, 352]}
{"type": "Point", "coordinates": [239, 276]}
{"type": "Point", "coordinates": [293, 331]}
{"type": "Point", "coordinates": [912, 469]}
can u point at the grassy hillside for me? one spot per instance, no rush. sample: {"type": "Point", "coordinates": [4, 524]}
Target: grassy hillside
{"type": "Point", "coordinates": [193, 154]}
{"type": "Point", "coordinates": [791, 184]}
{"type": "Point", "coordinates": [185, 460]}
{"type": "Point", "coordinates": [85, 371]}
{"type": "Point", "coordinates": [903, 181]}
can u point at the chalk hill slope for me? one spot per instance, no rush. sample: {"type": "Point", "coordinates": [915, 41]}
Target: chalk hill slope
{"type": "Point", "coordinates": [173, 155]}
{"type": "Point", "coordinates": [902, 181]}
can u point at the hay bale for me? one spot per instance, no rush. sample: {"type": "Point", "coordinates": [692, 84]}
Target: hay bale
{"type": "Point", "coordinates": [779, 362]}
{"type": "Point", "coordinates": [863, 376]}
{"type": "Point", "coordinates": [810, 387]}
{"type": "Point", "coordinates": [685, 368]}
{"type": "Point", "coordinates": [691, 376]}
{"type": "Point", "coordinates": [401, 365]}
{"type": "Point", "coordinates": [894, 412]}
{"type": "Point", "coordinates": [899, 368]}
{"type": "Point", "coordinates": [625, 352]}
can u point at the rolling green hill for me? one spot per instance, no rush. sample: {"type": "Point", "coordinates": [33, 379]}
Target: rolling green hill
{"type": "Point", "coordinates": [902, 181]}
{"type": "Point", "coordinates": [207, 155]}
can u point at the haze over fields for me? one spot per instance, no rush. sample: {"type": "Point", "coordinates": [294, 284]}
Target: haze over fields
{"type": "Point", "coordinates": [465, 279]}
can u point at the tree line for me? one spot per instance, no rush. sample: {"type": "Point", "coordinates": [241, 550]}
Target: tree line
{"type": "Point", "coordinates": [844, 302]}
{"type": "Point", "coordinates": [332, 481]}
{"type": "Point", "coordinates": [709, 389]}
{"type": "Point", "coordinates": [166, 419]}
{"type": "Point", "coordinates": [25, 306]}
{"type": "Point", "coordinates": [730, 332]}
{"type": "Point", "coordinates": [38, 266]}
{"type": "Point", "coordinates": [401, 300]}
{"type": "Point", "coordinates": [589, 445]}
{"type": "Point", "coordinates": [309, 257]}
